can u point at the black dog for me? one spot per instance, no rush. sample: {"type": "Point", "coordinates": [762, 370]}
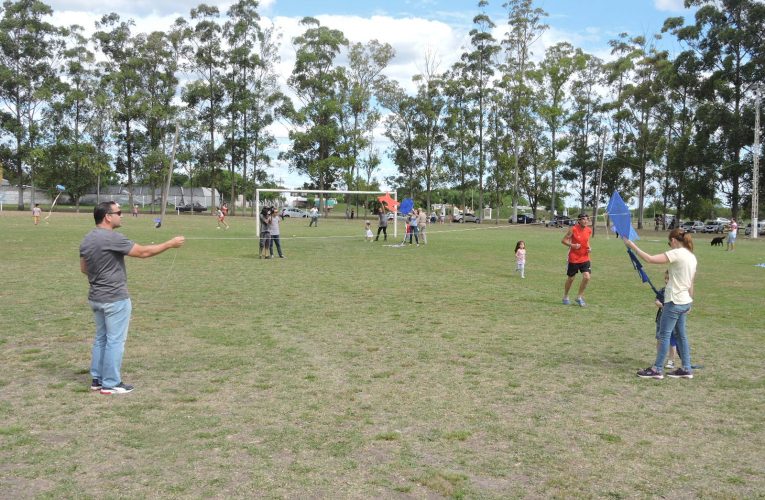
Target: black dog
{"type": "Point", "coordinates": [718, 241]}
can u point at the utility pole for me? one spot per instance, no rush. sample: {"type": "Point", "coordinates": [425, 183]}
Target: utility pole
{"type": "Point", "coordinates": [756, 164]}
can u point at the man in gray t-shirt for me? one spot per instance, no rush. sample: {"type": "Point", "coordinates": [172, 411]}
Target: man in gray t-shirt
{"type": "Point", "coordinates": [102, 258]}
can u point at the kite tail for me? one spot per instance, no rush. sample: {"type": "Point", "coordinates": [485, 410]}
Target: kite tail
{"type": "Point", "coordinates": [53, 205]}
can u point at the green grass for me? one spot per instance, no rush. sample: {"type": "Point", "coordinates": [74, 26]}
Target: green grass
{"type": "Point", "coordinates": [353, 369]}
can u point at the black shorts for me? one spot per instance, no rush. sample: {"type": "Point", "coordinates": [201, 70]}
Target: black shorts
{"type": "Point", "coordinates": [583, 267]}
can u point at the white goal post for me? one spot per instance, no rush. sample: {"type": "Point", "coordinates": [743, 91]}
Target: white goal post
{"type": "Point", "coordinates": [314, 191]}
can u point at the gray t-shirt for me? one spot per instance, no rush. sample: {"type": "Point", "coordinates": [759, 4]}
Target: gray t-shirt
{"type": "Point", "coordinates": [273, 228]}
{"type": "Point", "coordinates": [104, 253]}
{"type": "Point", "coordinates": [383, 219]}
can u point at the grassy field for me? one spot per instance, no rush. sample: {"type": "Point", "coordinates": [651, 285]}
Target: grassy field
{"type": "Point", "coordinates": [354, 369]}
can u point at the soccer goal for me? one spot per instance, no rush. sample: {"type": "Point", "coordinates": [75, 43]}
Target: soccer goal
{"type": "Point", "coordinates": [320, 192]}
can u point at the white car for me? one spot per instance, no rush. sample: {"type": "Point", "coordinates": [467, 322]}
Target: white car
{"type": "Point", "coordinates": [760, 228]}
{"type": "Point", "coordinates": [466, 217]}
{"type": "Point", "coordinates": [713, 226]}
{"type": "Point", "coordinates": [293, 212]}
{"type": "Point", "coordinates": [693, 226]}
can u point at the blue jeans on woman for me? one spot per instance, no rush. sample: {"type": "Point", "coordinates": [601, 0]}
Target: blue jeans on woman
{"type": "Point", "coordinates": [112, 320]}
{"type": "Point", "coordinates": [673, 319]}
{"type": "Point", "coordinates": [275, 239]}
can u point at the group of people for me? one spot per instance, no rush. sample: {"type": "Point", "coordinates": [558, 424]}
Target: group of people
{"type": "Point", "coordinates": [103, 251]}
{"type": "Point", "coordinates": [416, 226]}
{"type": "Point", "coordinates": [674, 301]}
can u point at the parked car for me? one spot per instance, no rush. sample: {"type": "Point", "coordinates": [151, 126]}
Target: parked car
{"type": "Point", "coordinates": [560, 221]}
{"type": "Point", "coordinates": [466, 217]}
{"type": "Point", "coordinates": [523, 219]}
{"type": "Point", "coordinates": [760, 228]}
{"type": "Point", "coordinates": [398, 214]}
{"type": "Point", "coordinates": [713, 226]}
{"type": "Point", "coordinates": [693, 226]}
{"type": "Point", "coordinates": [197, 207]}
{"type": "Point", "coordinates": [293, 212]}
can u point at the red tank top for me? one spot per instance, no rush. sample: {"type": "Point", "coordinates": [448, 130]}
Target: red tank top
{"type": "Point", "coordinates": [580, 235]}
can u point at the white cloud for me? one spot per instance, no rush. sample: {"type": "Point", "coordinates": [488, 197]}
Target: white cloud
{"type": "Point", "coordinates": [669, 5]}
{"type": "Point", "coordinates": [411, 38]}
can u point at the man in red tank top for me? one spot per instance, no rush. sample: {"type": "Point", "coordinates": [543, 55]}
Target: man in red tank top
{"type": "Point", "coordinates": [577, 239]}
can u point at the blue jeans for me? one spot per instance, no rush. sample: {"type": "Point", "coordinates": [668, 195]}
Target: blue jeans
{"type": "Point", "coordinates": [112, 320]}
{"type": "Point", "coordinates": [673, 319]}
{"type": "Point", "coordinates": [275, 239]}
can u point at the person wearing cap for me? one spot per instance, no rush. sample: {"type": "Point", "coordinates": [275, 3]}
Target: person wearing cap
{"type": "Point", "coordinates": [577, 239]}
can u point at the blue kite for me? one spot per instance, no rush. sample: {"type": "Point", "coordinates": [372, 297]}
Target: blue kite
{"type": "Point", "coordinates": [622, 225]}
{"type": "Point", "coordinates": [406, 206]}
{"type": "Point", "coordinates": [619, 213]}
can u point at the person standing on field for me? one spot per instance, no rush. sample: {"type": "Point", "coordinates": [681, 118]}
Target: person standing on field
{"type": "Point", "coordinates": [102, 259]}
{"type": "Point", "coordinates": [314, 215]}
{"type": "Point", "coordinates": [382, 225]}
{"type": "Point", "coordinates": [678, 299]}
{"type": "Point", "coordinates": [422, 225]}
{"type": "Point", "coordinates": [577, 239]}
{"type": "Point", "coordinates": [36, 213]}
{"type": "Point", "coordinates": [273, 228]}
{"type": "Point", "coordinates": [732, 235]}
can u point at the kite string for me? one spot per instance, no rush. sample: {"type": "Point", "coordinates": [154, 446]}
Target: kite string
{"type": "Point", "coordinates": [169, 273]}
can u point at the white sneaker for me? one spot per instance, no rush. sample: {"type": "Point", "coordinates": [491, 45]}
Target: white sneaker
{"type": "Point", "coordinates": [670, 364]}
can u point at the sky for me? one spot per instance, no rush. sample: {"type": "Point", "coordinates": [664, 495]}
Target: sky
{"type": "Point", "coordinates": [413, 27]}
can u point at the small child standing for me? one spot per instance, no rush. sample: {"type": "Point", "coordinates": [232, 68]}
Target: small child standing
{"type": "Point", "coordinates": [36, 213]}
{"type": "Point", "coordinates": [368, 231]}
{"type": "Point", "coordinates": [520, 258]}
{"type": "Point", "coordinates": [672, 340]}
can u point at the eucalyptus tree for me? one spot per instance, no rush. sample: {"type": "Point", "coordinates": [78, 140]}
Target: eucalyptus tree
{"type": "Point", "coordinates": [642, 100]}
{"type": "Point", "coordinates": [242, 33]}
{"type": "Point", "coordinates": [534, 162]}
{"type": "Point", "coordinates": [121, 74]}
{"type": "Point", "coordinates": [266, 103]}
{"type": "Point", "coordinates": [68, 116]}
{"type": "Point", "coordinates": [191, 150]}
{"type": "Point", "coordinates": [365, 80]}
{"type": "Point", "coordinates": [399, 129]}
{"type": "Point", "coordinates": [99, 130]}
{"type": "Point", "coordinates": [679, 181]}
{"type": "Point", "coordinates": [459, 149]}
{"type": "Point", "coordinates": [525, 27]}
{"type": "Point", "coordinates": [158, 58]}
{"type": "Point", "coordinates": [317, 146]}
{"type": "Point", "coordinates": [254, 96]}
{"type": "Point", "coordinates": [618, 75]}
{"type": "Point", "coordinates": [206, 93]}
{"type": "Point", "coordinates": [727, 36]}
{"type": "Point", "coordinates": [428, 127]}
{"type": "Point", "coordinates": [28, 46]}
{"type": "Point", "coordinates": [479, 63]}
{"type": "Point", "coordinates": [561, 62]}
{"type": "Point", "coordinates": [583, 125]}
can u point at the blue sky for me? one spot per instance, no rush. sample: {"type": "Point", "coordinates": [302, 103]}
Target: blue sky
{"type": "Point", "coordinates": [414, 28]}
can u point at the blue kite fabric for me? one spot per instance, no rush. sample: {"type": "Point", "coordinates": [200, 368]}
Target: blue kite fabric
{"type": "Point", "coordinates": [620, 215]}
{"type": "Point", "coordinates": [406, 206]}
{"type": "Point", "coordinates": [60, 187]}
{"type": "Point", "coordinates": [643, 276]}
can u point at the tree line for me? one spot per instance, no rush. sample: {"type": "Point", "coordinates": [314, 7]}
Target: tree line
{"type": "Point", "coordinates": [518, 129]}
